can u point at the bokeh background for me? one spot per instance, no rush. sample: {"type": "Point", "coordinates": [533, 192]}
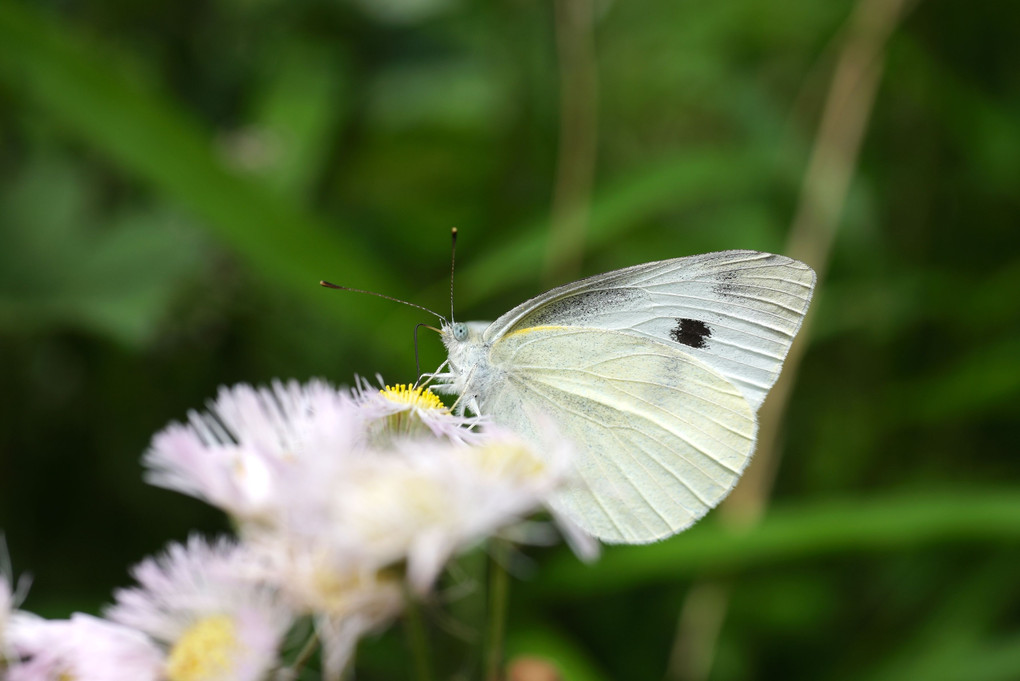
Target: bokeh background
{"type": "Point", "coordinates": [177, 175]}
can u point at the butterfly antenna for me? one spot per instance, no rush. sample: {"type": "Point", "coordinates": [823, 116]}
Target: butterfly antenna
{"type": "Point", "coordinates": [327, 284]}
{"type": "Point", "coordinates": [453, 260]}
{"type": "Point", "coordinates": [417, 363]}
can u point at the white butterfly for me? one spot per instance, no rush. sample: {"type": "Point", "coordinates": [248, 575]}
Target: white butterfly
{"type": "Point", "coordinates": [655, 372]}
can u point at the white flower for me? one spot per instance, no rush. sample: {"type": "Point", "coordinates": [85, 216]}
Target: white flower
{"type": "Point", "coordinates": [11, 597]}
{"type": "Point", "coordinates": [6, 604]}
{"type": "Point", "coordinates": [83, 648]}
{"type": "Point", "coordinates": [422, 501]}
{"type": "Point", "coordinates": [330, 583]}
{"type": "Point", "coordinates": [340, 497]}
{"type": "Point", "coordinates": [205, 604]}
{"type": "Point", "coordinates": [509, 459]}
{"type": "Point", "coordinates": [406, 410]}
{"type": "Point", "coordinates": [234, 455]}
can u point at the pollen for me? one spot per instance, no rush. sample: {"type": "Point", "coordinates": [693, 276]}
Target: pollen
{"type": "Point", "coordinates": [423, 398]}
{"type": "Point", "coordinates": [207, 650]}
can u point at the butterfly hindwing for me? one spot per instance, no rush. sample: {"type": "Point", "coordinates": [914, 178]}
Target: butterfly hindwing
{"type": "Point", "coordinates": [661, 437]}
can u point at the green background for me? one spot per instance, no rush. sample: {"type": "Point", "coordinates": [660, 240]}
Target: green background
{"type": "Point", "coordinates": [177, 175]}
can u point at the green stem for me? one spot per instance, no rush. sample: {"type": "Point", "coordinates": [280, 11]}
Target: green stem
{"type": "Point", "coordinates": [416, 638]}
{"type": "Point", "coordinates": [499, 588]}
{"type": "Point", "coordinates": [303, 656]}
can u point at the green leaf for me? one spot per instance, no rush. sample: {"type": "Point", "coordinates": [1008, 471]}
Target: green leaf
{"type": "Point", "coordinates": [98, 97]}
{"type": "Point", "coordinates": [893, 523]}
{"type": "Point", "coordinates": [60, 268]}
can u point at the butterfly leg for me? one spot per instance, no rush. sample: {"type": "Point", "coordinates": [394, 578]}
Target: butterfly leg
{"type": "Point", "coordinates": [445, 378]}
{"type": "Point", "coordinates": [465, 400]}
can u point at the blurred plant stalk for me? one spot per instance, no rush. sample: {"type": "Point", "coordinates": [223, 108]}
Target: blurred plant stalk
{"type": "Point", "coordinates": [575, 160]}
{"type": "Point", "coordinates": [845, 115]}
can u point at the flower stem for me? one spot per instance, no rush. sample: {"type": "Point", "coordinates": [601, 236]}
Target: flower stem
{"type": "Point", "coordinates": [499, 588]}
{"type": "Point", "coordinates": [415, 628]}
{"type": "Point", "coordinates": [306, 653]}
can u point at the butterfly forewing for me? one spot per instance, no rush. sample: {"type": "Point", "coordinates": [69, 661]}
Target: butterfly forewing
{"type": "Point", "coordinates": [736, 311]}
{"type": "Point", "coordinates": [661, 437]}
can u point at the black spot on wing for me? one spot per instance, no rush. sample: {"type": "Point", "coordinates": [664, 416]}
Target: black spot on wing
{"type": "Point", "coordinates": [579, 308]}
{"type": "Point", "coordinates": [690, 332]}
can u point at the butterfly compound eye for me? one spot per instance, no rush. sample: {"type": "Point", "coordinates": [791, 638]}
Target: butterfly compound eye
{"type": "Point", "coordinates": [460, 331]}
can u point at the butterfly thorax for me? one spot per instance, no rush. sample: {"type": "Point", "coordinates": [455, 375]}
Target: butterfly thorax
{"type": "Point", "coordinates": [470, 374]}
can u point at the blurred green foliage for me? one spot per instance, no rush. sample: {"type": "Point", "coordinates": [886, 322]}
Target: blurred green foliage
{"type": "Point", "coordinates": [175, 178]}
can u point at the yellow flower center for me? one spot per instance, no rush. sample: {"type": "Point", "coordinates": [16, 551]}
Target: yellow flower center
{"type": "Point", "coordinates": [207, 650]}
{"type": "Point", "coordinates": [335, 589]}
{"type": "Point", "coordinates": [423, 398]}
{"type": "Point", "coordinates": [509, 461]}
{"type": "Point", "coordinates": [341, 594]}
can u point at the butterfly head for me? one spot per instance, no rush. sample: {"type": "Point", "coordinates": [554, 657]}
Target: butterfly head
{"type": "Point", "coordinates": [463, 340]}
{"type": "Point", "coordinates": [468, 368]}
{"type": "Point", "coordinates": [456, 335]}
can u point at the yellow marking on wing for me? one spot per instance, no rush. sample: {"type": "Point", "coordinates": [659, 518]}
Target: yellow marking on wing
{"type": "Point", "coordinates": [532, 329]}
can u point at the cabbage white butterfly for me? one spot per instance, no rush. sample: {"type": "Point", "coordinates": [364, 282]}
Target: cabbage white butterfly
{"type": "Point", "coordinates": [655, 372]}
